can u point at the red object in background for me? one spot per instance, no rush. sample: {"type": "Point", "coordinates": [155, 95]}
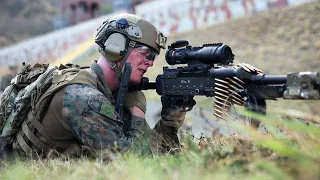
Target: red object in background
{"type": "Point", "coordinates": [277, 3]}
{"type": "Point", "coordinates": [226, 9]}
{"type": "Point", "coordinates": [162, 20]}
{"type": "Point", "coordinates": [192, 16]}
{"type": "Point", "coordinates": [248, 6]}
{"type": "Point", "coordinates": [211, 8]}
{"type": "Point", "coordinates": [75, 11]}
{"type": "Point", "coordinates": [175, 16]}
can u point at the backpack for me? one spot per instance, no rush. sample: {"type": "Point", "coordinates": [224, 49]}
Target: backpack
{"type": "Point", "coordinates": [26, 89]}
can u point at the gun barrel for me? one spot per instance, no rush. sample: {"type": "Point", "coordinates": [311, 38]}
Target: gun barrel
{"type": "Point", "coordinates": [222, 73]}
{"type": "Point", "coordinates": [263, 79]}
{"type": "Point", "coordinates": [259, 79]}
{"type": "Point", "coordinates": [143, 85]}
{"type": "Point", "coordinates": [150, 85]}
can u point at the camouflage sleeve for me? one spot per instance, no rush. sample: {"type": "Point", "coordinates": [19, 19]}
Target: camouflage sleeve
{"type": "Point", "coordinates": [169, 138]}
{"type": "Point", "coordinates": [96, 124]}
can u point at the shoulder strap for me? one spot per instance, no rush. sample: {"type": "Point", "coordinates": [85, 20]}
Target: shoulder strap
{"type": "Point", "coordinates": [61, 79]}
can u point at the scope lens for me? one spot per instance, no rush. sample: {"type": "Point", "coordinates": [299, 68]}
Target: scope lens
{"type": "Point", "coordinates": [227, 55]}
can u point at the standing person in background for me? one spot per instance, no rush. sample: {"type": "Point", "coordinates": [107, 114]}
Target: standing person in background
{"type": "Point", "coordinates": [6, 79]}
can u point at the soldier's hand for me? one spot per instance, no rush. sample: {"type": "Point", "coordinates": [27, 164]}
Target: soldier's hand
{"type": "Point", "coordinates": [136, 103]}
{"type": "Point", "coordinates": [171, 117]}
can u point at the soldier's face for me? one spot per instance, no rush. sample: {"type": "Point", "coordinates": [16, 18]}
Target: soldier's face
{"type": "Point", "coordinates": [141, 59]}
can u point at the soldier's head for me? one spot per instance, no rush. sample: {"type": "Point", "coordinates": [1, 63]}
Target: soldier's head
{"type": "Point", "coordinates": [129, 38]}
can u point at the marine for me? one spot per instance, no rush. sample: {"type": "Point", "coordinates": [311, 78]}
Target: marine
{"type": "Point", "coordinates": [79, 118]}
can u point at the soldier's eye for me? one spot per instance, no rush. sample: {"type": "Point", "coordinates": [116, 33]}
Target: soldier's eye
{"type": "Point", "coordinates": [149, 53]}
{"type": "Point", "coordinates": [151, 57]}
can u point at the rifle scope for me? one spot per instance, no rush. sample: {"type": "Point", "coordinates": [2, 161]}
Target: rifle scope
{"type": "Point", "coordinates": [217, 53]}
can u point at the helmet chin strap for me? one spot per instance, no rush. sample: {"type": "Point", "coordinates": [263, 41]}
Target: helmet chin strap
{"type": "Point", "coordinates": [113, 64]}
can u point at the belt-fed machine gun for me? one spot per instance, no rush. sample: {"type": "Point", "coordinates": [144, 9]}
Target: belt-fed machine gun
{"type": "Point", "coordinates": [210, 72]}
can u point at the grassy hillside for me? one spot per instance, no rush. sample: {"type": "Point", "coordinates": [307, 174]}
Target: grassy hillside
{"type": "Point", "coordinates": [259, 156]}
{"type": "Point", "coordinates": [277, 42]}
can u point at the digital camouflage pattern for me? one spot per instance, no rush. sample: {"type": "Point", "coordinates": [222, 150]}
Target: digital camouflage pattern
{"type": "Point", "coordinates": [93, 119]}
{"type": "Point", "coordinates": [81, 118]}
{"type": "Point", "coordinates": [19, 97]}
{"type": "Point", "coordinates": [96, 124]}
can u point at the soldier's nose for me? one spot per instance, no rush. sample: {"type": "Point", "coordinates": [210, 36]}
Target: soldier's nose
{"type": "Point", "coordinates": [149, 63]}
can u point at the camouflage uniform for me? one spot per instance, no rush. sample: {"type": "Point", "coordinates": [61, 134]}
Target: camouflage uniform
{"type": "Point", "coordinates": [81, 120]}
{"type": "Point", "coordinates": [79, 107]}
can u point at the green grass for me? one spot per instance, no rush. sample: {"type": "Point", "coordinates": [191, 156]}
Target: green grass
{"type": "Point", "coordinates": [251, 154]}
{"type": "Point", "coordinates": [276, 42]}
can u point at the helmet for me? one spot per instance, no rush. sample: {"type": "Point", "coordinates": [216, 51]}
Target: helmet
{"type": "Point", "coordinates": [117, 36]}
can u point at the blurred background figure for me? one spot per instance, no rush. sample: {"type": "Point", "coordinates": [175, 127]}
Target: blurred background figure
{"type": "Point", "coordinates": [6, 79]}
{"type": "Point", "coordinates": [76, 11]}
{"type": "Point", "coordinates": [24, 19]}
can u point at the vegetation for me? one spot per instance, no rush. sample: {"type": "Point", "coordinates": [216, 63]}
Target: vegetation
{"type": "Point", "coordinates": [289, 149]}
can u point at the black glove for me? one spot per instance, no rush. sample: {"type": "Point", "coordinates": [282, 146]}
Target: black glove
{"type": "Point", "coordinates": [174, 110]}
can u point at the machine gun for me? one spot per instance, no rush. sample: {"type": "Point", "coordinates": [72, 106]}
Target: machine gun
{"type": "Point", "coordinates": [210, 72]}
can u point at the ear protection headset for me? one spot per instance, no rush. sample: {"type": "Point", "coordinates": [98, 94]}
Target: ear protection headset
{"type": "Point", "coordinates": [115, 46]}
{"type": "Point", "coordinates": [114, 42]}
{"type": "Point", "coordinates": [112, 38]}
